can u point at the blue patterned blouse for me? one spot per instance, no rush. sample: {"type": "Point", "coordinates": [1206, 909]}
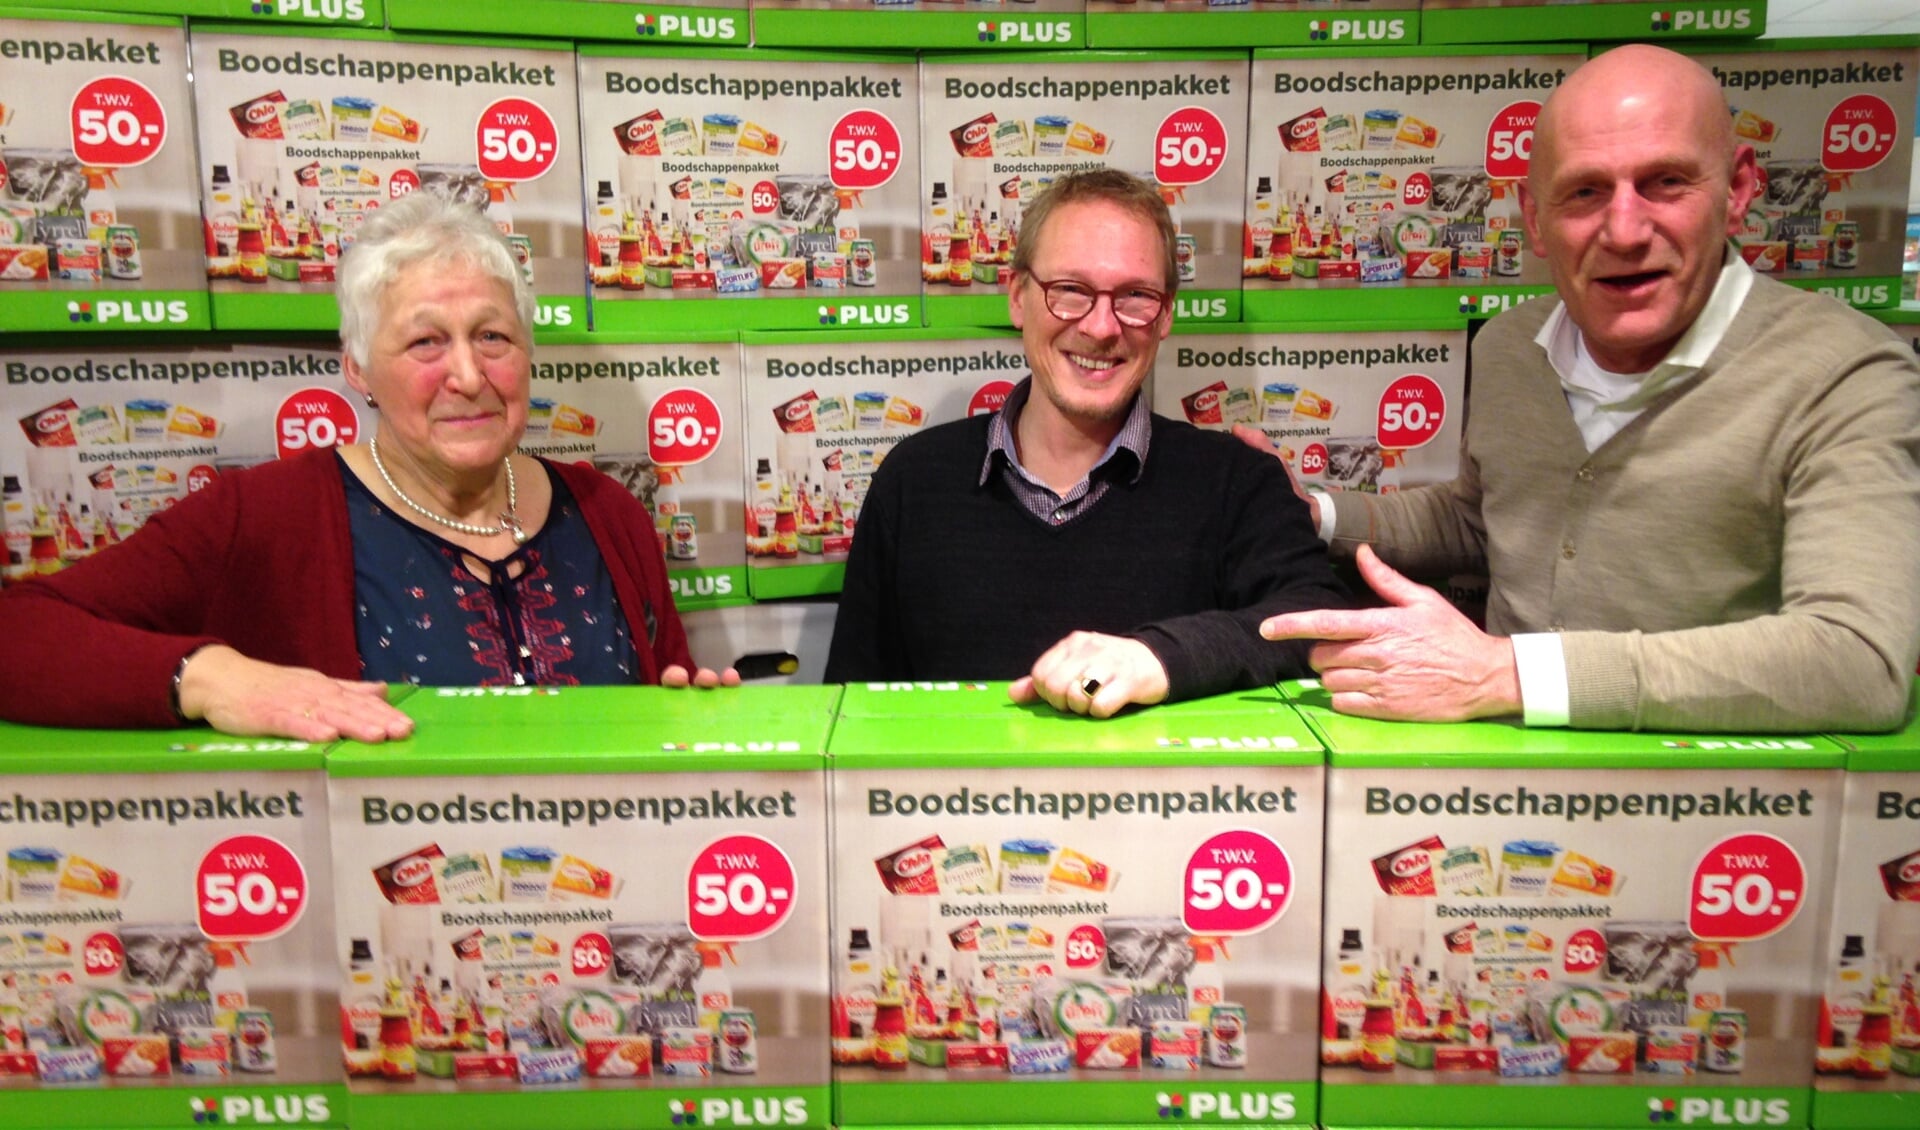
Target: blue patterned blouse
{"type": "Point", "coordinates": [425, 618]}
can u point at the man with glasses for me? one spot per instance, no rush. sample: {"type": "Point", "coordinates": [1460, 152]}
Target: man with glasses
{"type": "Point", "coordinates": [1095, 553]}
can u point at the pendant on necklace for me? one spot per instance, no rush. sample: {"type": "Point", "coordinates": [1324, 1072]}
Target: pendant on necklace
{"type": "Point", "coordinates": [512, 525]}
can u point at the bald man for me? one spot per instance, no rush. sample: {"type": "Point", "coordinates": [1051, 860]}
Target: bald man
{"type": "Point", "coordinates": [1695, 490]}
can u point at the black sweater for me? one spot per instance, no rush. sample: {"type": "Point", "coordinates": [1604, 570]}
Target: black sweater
{"type": "Point", "coordinates": [952, 580]}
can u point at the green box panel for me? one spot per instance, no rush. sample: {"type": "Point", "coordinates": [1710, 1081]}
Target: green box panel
{"type": "Point", "coordinates": [1654, 23]}
{"type": "Point", "coordinates": [583, 19]}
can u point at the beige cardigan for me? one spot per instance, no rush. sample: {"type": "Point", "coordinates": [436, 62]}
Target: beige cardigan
{"type": "Point", "coordinates": [1744, 556]}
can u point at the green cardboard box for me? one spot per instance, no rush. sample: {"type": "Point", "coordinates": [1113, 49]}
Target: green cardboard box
{"type": "Point", "coordinates": [1579, 889]}
{"type": "Point", "coordinates": [1065, 879]}
{"type": "Point", "coordinates": [912, 24]}
{"type": "Point", "coordinates": [628, 859]}
{"type": "Point", "coordinates": [1873, 948]}
{"type": "Point", "coordinates": [1394, 170]}
{"type": "Point", "coordinates": [131, 857]}
{"type": "Point", "coordinates": [823, 411]}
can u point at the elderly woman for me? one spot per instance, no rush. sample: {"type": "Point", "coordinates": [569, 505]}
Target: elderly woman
{"type": "Point", "coordinates": [281, 599]}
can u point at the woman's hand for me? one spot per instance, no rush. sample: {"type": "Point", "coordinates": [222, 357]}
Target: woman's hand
{"type": "Point", "coordinates": [249, 698]}
{"type": "Point", "coordinates": [704, 678]}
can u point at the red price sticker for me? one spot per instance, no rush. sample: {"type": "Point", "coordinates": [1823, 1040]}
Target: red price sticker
{"type": "Point", "coordinates": [117, 123]}
{"type": "Point", "coordinates": [313, 417]}
{"type": "Point", "coordinates": [516, 140]}
{"type": "Point", "coordinates": [1411, 410]}
{"type": "Point", "coordinates": [200, 477]}
{"type": "Point", "coordinates": [683, 427]}
{"type": "Point", "coordinates": [1586, 951]}
{"type": "Point", "coordinates": [1418, 190]}
{"type": "Point", "coordinates": [1745, 887]}
{"type": "Point", "coordinates": [250, 888]}
{"type": "Point", "coordinates": [402, 183]}
{"type": "Point", "coordinates": [1510, 140]}
{"type": "Point", "coordinates": [989, 398]}
{"type": "Point", "coordinates": [864, 150]}
{"type": "Point", "coordinates": [102, 955]}
{"type": "Point", "coordinates": [1086, 947]}
{"type": "Point", "coordinates": [1238, 882]}
{"type": "Point", "coordinates": [764, 199]}
{"type": "Point", "coordinates": [1313, 460]}
{"type": "Point", "coordinates": [1859, 134]}
{"type": "Point", "coordinates": [592, 955]}
{"type": "Point", "coordinates": [1190, 146]}
{"type": "Point", "coordinates": [739, 888]}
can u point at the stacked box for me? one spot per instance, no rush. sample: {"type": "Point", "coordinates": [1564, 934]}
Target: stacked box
{"type": "Point", "coordinates": [823, 410]}
{"type": "Point", "coordinates": [1350, 407]}
{"type": "Point", "coordinates": [895, 24]}
{"type": "Point", "coordinates": [1510, 910]}
{"type": "Point", "coordinates": [997, 130]}
{"type": "Point", "coordinates": [1522, 21]}
{"type": "Point", "coordinates": [301, 138]}
{"type": "Point", "coordinates": [98, 209]}
{"type": "Point", "coordinates": [1904, 321]}
{"type": "Point", "coordinates": [165, 918]}
{"type": "Point", "coordinates": [1239, 23]}
{"type": "Point", "coordinates": [370, 13]}
{"type": "Point", "coordinates": [1868, 1055]}
{"type": "Point", "coordinates": [1384, 182]}
{"type": "Point", "coordinates": [109, 437]}
{"type": "Point", "coordinates": [748, 191]}
{"type": "Point", "coordinates": [662, 416]}
{"type": "Point", "coordinates": [1044, 918]}
{"type": "Point", "coordinates": [589, 906]}
{"type": "Point", "coordinates": [718, 22]}
{"type": "Point", "coordinates": [1828, 122]}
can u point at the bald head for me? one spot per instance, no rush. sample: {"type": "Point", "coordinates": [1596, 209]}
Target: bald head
{"type": "Point", "coordinates": [1625, 78]}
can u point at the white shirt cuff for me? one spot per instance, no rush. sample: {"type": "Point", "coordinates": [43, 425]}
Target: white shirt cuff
{"type": "Point", "coordinates": [1325, 500]}
{"type": "Point", "coordinates": [1542, 666]}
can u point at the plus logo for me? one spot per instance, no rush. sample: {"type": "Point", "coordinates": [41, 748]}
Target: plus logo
{"type": "Point", "coordinates": [79, 311]}
{"type": "Point", "coordinates": [1170, 743]}
{"type": "Point", "coordinates": [645, 24]}
{"type": "Point", "coordinates": [1171, 1105]}
{"type": "Point", "coordinates": [1660, 1110]}
{"type": "Point", "coordinates": [206, 1112]}
{"type": "Point", "coordinates": [987, 32]}
{"type": "Point", "coordinates": [258, 10]}
{"type": "Point", "coordinates": [1319, 30]}
{"type": "Point", "coordinates": [829, 315]}
{"type": "Point", "coordinates": [685, 1112]}
{"type": "Point", "coordinates": [1662, 21]}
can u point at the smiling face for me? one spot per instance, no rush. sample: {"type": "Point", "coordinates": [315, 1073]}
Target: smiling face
{"type": "Point", "coordinates": [449, 365]}
{"type": "Point", "coordinates": [1086, 371]}
{"type": "Point", "coordinates": [1634, 184]}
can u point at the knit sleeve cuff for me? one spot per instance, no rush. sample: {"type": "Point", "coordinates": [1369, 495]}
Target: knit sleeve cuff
{"type": "Point", "coordinates": [1603, 691]}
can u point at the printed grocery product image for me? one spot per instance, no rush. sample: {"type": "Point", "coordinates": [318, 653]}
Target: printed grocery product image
{"type": "Point", "coordinates": [107, 438]}
{"type": "Point", "coordinates": [1021, 941]}
{"type": "Point", "coordinates": [1384, 181]}
{"type": "Point", "coordinates": [727, 195]}
{"type": "Point", "coordinates": [823, 410]}
{"type": "Point", "coordinates": [997, 130]}
{"type": "Point", "coordinates": [1570, 909]}
{"type": "Point", "coordinates": [543, 909]}
{"type": "Point", "coordinates": [165, 913]}
{"type": "Point", "coordinates": [895, 24]}
{"type": "Point", "coordinates": [1867, 1056]}
{"type": "Point", "coordinates": [97, 196]}
{"type": "Point", "coordinates": [1348, 407]}
{"type": "Point", "coordinates": [300, 138]}
{"type": "Point", "coordinates": [1834, 158]}
{"type": "Point", "coordinates": [663, 417]}
{"type": "Point", "coordinates": [1247, 23]}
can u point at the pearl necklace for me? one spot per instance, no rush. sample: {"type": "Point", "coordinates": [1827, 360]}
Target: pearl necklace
{"type": "Point", "coordinates": [509, 520]}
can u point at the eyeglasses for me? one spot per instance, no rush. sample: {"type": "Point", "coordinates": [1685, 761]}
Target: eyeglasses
{"type": "Point", "coordinates": [1070, 301]}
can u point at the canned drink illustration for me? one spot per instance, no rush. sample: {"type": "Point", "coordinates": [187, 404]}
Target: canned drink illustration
{"type": "Point", "coordinates": [739, 1049]}
{"type": "Point", "coordinates": [1227, 1035]}
{"type": "Point", "coordinates": [683, 540]}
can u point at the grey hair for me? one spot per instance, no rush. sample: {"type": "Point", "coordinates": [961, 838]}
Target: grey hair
{"type": "Point", "coordinates": [421, 228]}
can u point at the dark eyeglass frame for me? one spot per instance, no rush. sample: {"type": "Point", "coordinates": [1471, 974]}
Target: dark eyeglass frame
{"type": "Point", "coordinates": [1049, 287]}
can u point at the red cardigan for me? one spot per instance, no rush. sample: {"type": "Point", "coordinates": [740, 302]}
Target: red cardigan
{"type": "Point", "coordinates": [260, 560]}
